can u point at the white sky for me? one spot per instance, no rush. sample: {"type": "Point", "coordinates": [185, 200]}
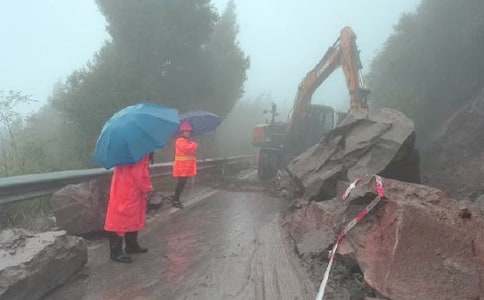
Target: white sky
{"type": "Point", "coordinates": [44, 41]}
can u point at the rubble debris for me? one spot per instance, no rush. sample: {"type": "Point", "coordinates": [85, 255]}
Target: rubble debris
{"type": "Point", "coordinates": [415, 245]}
{"type": "Point", "coordinates": [33, 264]}
{"type": "Point", "coordinates": [382, 144]}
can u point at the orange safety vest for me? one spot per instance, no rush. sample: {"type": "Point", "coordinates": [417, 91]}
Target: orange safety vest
{"type": "Point", "coordinates": [185, 164]}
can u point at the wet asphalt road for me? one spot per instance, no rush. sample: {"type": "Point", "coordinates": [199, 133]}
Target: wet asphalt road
{"type": "Point", "coordinates": [227, 245]}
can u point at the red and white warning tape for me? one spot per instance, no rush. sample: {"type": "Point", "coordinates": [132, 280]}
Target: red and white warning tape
{"type": "Point", "coordinates": [360, 216]}
{"type": "Point", "coordinates": [350, 188]}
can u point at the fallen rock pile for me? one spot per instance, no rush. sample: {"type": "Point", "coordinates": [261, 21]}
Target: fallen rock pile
{"type": "Point", "coordinates": [382, 144]}
{"type": "Point", "coordinates": [32, 264]}
{"type": "Point", "coordinates": [418, 243]}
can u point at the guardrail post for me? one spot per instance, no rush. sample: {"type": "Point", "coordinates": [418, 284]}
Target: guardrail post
{"type": "Point", "coordinates": [223, 168]}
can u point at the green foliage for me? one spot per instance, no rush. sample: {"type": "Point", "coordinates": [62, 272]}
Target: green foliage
{"type": "Point", "coordinates": [177, 53]}
{"type": "Point", "coordinates": [11, 122]}
{"type": "Point", "coordinates": [9, 101]}
{"type": "Point", "coordinates": [432, 64]}
{"type": "Point", "coordinates": [33, 215]}
{"type": "Point", "coordinates": [227, 62]}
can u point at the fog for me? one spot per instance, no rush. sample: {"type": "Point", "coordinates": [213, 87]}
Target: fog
{"type": "Point", "coordinates": [44, 41]}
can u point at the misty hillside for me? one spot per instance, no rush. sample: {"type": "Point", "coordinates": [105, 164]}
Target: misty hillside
{"type": "Point", "coordinates": [432, 64]}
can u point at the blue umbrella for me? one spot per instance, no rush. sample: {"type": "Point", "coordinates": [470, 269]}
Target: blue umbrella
{"type": "Point", "coordinates": [134, 132]}
{"type": "Point", "coordinates": [203, 122]}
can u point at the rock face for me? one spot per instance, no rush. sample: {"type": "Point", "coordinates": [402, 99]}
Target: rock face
{"type": "Point", "coordinates": [81, 208]}
{"type": "Point", "coordinates": [31, 264]}
{"type": "Point", "coordinates": [417, 244]}
{"type": "Point", "coordinates": [454, 162]}
{"type": "Point", "coordinates": [382, 144]}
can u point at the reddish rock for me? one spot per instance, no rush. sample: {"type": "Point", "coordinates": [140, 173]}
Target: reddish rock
{"type": "Point", "coordinates": [311, 227]}
{"type": "Point", "coordinates": [416, 244]}
{"type": "Point", "coordinates": [419, 247]}
{"type": "Point", "coordinates": [81, 208]}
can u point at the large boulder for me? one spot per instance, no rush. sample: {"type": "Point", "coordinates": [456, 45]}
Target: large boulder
{"type": "Point", "coordinates": [383, 144]}
{"type": "Point", "coordinates": [454, 161]}
{"type": "Point", "coordinates": [417, 244]}
{"type": "Point", "coordinates": [81, 208]}
{"type": "Point", "coordinates": [32, 264]}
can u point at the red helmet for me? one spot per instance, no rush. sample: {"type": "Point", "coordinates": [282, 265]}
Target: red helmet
{"type": "Point", "coordinates": [186, 126]}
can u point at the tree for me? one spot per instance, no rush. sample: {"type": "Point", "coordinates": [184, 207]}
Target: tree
{"type": "Point", "coordinates": [166, 51]}
{"type": "Point", "coordinates": [10, 121]}
{"type": "Point", "coordinates": [228, 63]}
{"type": "Point", "coordinates": [432, 64]}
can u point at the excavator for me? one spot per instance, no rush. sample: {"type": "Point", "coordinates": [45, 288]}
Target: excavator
{"type": "Point", "coordinates": [279, 142]}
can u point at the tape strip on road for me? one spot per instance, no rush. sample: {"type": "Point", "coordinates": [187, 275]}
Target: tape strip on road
{"type": "Point", "coordinates": [359, 217]}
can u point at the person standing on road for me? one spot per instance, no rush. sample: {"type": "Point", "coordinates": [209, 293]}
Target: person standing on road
{"type": "Point", "coordinates": [185, 164]}
{"type": "Point", "coordinates": [126, 213]}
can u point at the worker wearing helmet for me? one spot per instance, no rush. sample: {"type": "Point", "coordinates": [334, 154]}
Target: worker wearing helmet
{"type": "Point", "coordinates": [185, 165]}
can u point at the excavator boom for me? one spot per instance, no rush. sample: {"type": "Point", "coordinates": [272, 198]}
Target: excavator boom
{"type": "Point", "coordinates": [344, 53]}
{"type": "Point", "coordinates": [351, 65]}
{"type": "Point", "coordinates": [279, 142]}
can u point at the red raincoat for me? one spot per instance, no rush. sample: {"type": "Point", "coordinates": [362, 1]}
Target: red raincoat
{"type": "Point", "coordinates": [185, 164]}
{"type": "Point", "coordinates": [130, 186]}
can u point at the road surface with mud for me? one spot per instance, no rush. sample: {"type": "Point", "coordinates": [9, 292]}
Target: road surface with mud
{"type": "Point", "coordinates": [223, 245]}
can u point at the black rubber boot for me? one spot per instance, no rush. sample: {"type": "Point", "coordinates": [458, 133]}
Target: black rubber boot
{"type": "Point", "coordinates": [116, 248]}
{"type": "Point", "coordinates": [132, 246]}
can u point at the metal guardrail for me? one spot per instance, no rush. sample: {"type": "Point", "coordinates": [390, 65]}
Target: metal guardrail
{"type": "Point", "coordinates": [20, 188]}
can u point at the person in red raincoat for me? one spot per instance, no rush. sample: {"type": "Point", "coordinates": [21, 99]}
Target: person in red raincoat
{"type": "Point", "coordinates": [185, 165]}
{"type": "Point", "coordinates": [126, 213]}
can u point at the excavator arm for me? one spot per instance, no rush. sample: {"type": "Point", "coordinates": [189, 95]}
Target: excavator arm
{"type": "Point", "coordinates": [277, 142]}
{"type": "Point", "coordinates": [344, 53]}
{"type": "Point", "coordinates": [351, 65]}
